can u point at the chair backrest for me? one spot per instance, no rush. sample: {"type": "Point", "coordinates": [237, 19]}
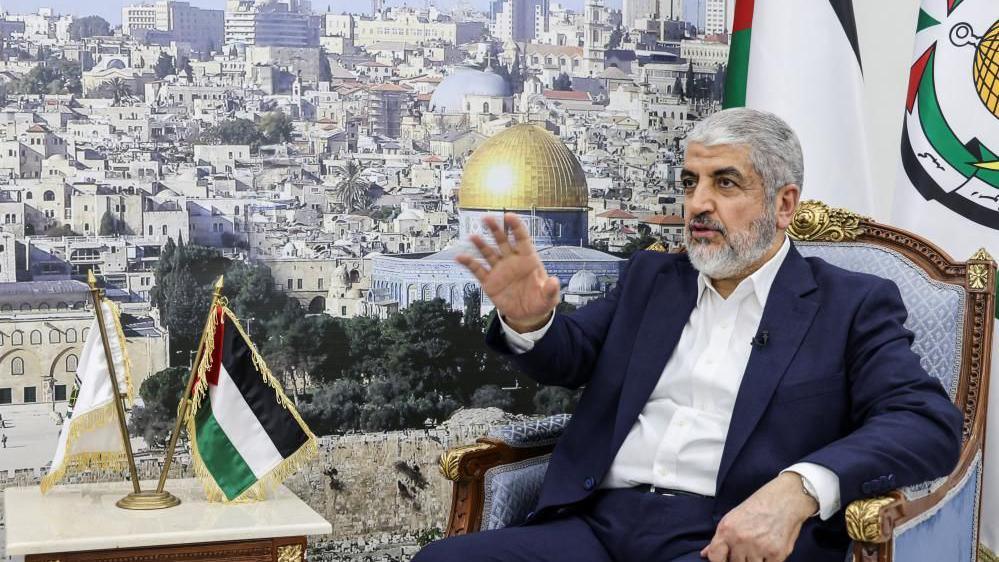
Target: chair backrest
{"type": "Point", "coordinates": [936, 308]}
{"type": "Point", "coordinates": [949, 303]}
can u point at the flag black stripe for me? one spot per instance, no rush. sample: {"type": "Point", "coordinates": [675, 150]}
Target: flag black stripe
{"type": "Point", "coordinates": [844, 11]}
{"type": "Point", "coordinates": [280, 425]}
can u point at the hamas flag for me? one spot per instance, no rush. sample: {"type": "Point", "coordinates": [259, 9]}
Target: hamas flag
{"type": "Point", "coordinates": [948, 187]}
{"type": "Point", "coordinates": [246, 436]}
{"type": "Point", "coordinates": [800, 59]}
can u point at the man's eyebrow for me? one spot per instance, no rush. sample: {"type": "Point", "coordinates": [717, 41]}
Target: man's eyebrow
{"type": "Point", "coordinates": [728, 171]}
{"type": "Point", "coordinates": [686, 172]}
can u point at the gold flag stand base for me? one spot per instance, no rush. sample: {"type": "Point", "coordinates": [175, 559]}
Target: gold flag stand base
{"type": "Point", "coordinates": [148, 500]}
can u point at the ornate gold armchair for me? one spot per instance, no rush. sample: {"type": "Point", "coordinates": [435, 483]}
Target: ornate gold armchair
{"type": "Point", "coordinates": [951, 304]}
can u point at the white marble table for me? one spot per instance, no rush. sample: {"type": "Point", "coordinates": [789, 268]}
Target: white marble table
{"type": "Point", "coordinates": [77, 518]}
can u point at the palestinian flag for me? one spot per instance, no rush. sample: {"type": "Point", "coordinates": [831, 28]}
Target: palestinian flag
{"type": "Point", "coordinates": [246, 436]}
{"type": "Point", "coordinates": [800, 59]}
{"type": "Point", "coordinates": [948, 188]}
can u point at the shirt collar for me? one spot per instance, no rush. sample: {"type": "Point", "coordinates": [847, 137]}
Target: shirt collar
{"type": "Point", "coordinates": [759, 282]}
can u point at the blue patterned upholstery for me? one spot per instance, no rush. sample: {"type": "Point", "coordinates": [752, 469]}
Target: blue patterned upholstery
{"type": "Point", "coordinates": [936, 309]}
{"type": "Point", "coordinates": [534, 433]}
{"type": "Point", "coordinates": [512, 492]}
{"type": "Point", "coordinates": [948, 531]}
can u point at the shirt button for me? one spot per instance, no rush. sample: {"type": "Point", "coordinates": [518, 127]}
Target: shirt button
{"type": "Point", "coordinates": [588, 483]}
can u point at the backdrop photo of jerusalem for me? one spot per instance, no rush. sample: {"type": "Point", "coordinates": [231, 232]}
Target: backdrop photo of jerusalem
{"type": "Point", "coordinates": [330, 165]}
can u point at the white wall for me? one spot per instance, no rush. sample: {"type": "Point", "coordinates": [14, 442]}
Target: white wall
{"type": "Point", "coordinates": [887, 31]}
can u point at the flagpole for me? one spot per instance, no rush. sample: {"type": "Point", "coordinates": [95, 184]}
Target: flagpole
{"type": "Point", "coordinates": [95, 295]}
{"type": "Point", "coordinates": [185, 400]}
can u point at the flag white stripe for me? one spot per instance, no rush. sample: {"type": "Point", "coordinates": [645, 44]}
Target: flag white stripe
{"type": "Point", "coordinates": [241, 425]}
{"type": "Point", "coordinates": [803, 68]}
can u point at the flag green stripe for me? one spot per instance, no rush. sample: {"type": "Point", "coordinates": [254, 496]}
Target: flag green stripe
{"type": "Point", "coordinates": [737, 75]}
{"type": "Point", "coordinates": [925, 21]}
{"type": "Point", "coordinates": [220, 457]}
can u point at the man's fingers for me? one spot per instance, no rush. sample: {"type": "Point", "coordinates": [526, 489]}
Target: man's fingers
{"type": "Point", "coordinates": [487, 251]}
{"type": "Point", "coordinates": [551, 288]}
{"type": "Point", "coordinates": [499, 235]}
{"type": "Point", "coordinates": [717, 551]}
{"type": "Point", "coordinates": [521, 237]}
{"type": "Point", "coordinates": [477, 269]}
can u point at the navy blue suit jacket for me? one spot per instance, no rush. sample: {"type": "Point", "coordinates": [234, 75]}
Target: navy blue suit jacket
{"type": "Point", "coordinates": [837, 384]}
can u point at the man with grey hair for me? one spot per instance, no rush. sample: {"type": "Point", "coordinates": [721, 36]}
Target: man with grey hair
{"type": "Point", "coordinates": [737, 396]}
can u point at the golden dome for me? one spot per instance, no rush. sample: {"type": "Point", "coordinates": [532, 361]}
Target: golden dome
{"type": "Point", "coordinates": [524, 167]}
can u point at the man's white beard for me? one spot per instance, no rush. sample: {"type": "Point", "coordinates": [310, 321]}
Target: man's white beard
{"type": "Point", "coordinates": [740, 250]}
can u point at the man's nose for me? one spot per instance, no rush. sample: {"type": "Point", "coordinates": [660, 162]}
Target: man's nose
{"type": "Point", "coordinates": [698, 201]}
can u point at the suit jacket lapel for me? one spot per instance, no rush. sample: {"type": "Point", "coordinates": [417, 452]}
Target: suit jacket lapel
{"type": "Point", "coordinates": [786, 318]}
{"type": "Point", "coordinates": [666, 313]}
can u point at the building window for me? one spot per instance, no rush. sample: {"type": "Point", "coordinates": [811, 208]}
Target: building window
{"type": "Point", "coordinates": [36, 337]}
{"type": "Point", "coordinates": [291, 284]}
{"type": "Point", "coordinates": [48, 196]}
{"type": "Point", "coordinates": [17, 366]}
{"type": "Point", "coordinates": [320, 285]}
{"type": "Point", "coordinates": [30, 396]}
{"type": "Point", "coordinates": [55, 336]}
{"type": "Point", "coordinates": [71, 363]}
{"type": "Point", "coordinates": [164, 230]}
{"type": "Point", "coordinates": [17, 338]}
{"type": "Point", "coordinates": [343, 311]}
{"type": "Point", "coordinates": [71, 335]}
{"type": "Point", "coordinates": [60, 392]}
{"type": "Point", "coordinates": [299, 284]}
{"type": "Point", "coordinates": [5, 396]}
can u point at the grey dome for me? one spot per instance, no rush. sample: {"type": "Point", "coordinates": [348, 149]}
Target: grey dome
{"type": "Point", "coordinates": [449, 96]}
{"type": "Point", "coordinates": [584, 281]}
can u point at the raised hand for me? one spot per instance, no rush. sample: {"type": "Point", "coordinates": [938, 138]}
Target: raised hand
{"type": "Point", "coordinates": [513, 277]}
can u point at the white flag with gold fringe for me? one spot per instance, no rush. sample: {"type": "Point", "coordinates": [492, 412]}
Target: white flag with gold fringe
{"type": "Point", "coordinates": [91, 437]}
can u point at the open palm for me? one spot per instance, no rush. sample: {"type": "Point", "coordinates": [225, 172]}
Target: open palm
{"type": "Point", "coordinates": [513, 276]}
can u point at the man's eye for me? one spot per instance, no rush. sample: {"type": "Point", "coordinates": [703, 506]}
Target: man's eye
{"type": "Point", "coordinates": [688, 183]}
{"type": "Point", "coordinates": [725, 182]}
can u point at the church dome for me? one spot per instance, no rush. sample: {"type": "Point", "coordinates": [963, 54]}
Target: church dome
{"type": "Point", "coordinates": [583, 281]}
{"type": "Point", "coordinates": [449, 95]}
{"type": "Point", "coordinates": [523, 168]}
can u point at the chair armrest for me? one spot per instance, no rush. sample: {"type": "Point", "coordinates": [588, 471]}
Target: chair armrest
{"type": "Point", "coordinates": [534, 433]}
{"type": "Point", "coordinates": [466, 465]}
{"type": "Point", "coordinates": [875, 524]}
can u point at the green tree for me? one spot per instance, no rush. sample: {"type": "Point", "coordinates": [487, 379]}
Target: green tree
{"type": "Point", "coordinates": [551, 400]}
{"type": "Point", "coordinates": [562, 82]}
{"type": "Point", "coordinates": [109, 225]}
{"type": "Point", "coordinates": [53, 76]}
{"type": "Point", "coordinates": [164, 66]}
{"type": "Point", "coordinates": [615, 38]}
{"type": "Point", "coordinates": [352, 190]}
{"type": "Point", "coordinates": [89, 26]}
{"type": "Point", "coordinates": [491, 396]}
{"type": "Point", "coordinates": [335, 408]}
{"type": "Point", "coordinates": [234, 131]}
{"type": "Point", "coordinates": [325, 72]}
{"type": "Point", "coordinates": [640, 243]}
{"type": "Point", "coordinates": [59, 230]}
{"type": "Point", "coordinates": [119, 90]}
{"type": "Point", "coordinates": [160, 394]}
{"type": "Point", "coordinates": [275, 127]}
{"type": "Point", "coordinates": [187, 69]}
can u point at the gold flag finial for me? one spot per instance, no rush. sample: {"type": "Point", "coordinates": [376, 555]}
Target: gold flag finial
{"type": "Point", "coordinates": [218, 285]}
{"type": "Point", "coordinates": [91, 280]}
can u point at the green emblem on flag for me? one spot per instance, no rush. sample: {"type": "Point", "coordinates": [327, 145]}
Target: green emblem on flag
{"type": "Point", "coordinates": [951, 137]}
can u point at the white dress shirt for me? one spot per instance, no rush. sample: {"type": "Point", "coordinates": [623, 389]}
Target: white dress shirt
{"type": "Point", "coordinates": [678, 439]}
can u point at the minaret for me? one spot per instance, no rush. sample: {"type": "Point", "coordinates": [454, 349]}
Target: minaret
{"type": "Point", "coordinates": [593, 40]}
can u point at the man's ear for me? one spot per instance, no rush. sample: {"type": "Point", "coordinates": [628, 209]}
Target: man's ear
{"type": "Point", "coordinates": [787, 204]}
